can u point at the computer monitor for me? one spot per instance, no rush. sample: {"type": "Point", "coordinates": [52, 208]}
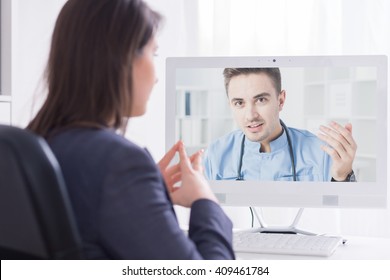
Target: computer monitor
{"type": "Point", "coordinates": [319, 89]}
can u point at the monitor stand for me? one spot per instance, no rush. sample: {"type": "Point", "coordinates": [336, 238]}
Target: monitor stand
{"type": "Point", "coordinates": [291, 229]}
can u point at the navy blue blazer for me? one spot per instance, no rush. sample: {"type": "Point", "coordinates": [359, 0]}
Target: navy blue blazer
{"type": "Point", "coordinates": [122, 208]}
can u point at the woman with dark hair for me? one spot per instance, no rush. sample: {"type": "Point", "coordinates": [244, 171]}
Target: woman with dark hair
{"type": "Point", "coordinates": [101, 72]}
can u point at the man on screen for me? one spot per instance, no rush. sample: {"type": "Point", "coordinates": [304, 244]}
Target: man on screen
{"type": "Point", "coordinates": [264, 148]}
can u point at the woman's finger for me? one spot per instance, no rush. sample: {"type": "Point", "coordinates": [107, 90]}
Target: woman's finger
{"type": "Point", "coordinates": [197, 161]}
{"type": "Point", "coordinates": [164, 162]}
{"type": "Point", "coordinates": [185, 164]}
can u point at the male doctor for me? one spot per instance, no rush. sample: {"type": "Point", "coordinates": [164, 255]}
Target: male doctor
{"type": "Point", "coordinates": [264, 148]}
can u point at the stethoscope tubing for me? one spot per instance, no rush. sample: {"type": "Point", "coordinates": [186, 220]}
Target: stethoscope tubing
{"type": "Point", "coordinates": [290, 149]}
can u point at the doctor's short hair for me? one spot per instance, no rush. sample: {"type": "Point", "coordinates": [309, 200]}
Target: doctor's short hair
{"type": "Point", "coordinates": [272, 73]}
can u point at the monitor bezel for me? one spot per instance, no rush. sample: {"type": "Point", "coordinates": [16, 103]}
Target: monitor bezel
{"type": "Point", "coordinates": [293, 194]}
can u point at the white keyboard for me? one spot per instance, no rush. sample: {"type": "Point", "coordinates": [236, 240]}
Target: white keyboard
{"type": "Point", "coordinates": [291, 244]}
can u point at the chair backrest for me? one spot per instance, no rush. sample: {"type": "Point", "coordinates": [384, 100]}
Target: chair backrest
{"type": "Point", "coordinates": [36, 218]}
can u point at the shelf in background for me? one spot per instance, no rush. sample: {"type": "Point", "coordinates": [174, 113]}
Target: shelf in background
{"type": "Point", "coordinates": [5, 98]}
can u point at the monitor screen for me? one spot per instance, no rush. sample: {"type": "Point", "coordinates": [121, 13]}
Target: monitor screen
{"type": "Point", "coordinates": [270, 127]}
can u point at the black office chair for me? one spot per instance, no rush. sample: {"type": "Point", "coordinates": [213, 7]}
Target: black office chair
{"type": "Point", "coordinates": [36, 219]}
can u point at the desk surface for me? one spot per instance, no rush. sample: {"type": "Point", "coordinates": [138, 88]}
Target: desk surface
{"type": "Point", "coordinates": [356, 248]}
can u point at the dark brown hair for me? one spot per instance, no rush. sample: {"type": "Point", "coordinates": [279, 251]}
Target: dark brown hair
{"type": "Point", "coordinates": [89, 71]}
{"type": "Point", "coordinates": [272, 73]}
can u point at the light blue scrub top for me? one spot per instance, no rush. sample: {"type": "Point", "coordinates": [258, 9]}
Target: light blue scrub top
{"type": "Point", "coordinates": [222, 158]}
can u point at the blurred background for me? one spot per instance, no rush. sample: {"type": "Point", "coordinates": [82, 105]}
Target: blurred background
{"type": "Point", "coordinates": [209, 28]}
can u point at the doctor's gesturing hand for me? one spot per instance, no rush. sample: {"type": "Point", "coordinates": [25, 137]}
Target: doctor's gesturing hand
{"type": "Point", "coordinates": [342, 148]}
{"type": "Point", "coordinates": [189, 172]}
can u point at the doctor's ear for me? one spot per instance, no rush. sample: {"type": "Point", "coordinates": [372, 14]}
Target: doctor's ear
{"type": "Point", "coordinates": [281, 99]}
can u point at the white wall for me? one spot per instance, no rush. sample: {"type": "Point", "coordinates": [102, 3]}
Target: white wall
{"type": "Point", "coordinates": [31, 26]}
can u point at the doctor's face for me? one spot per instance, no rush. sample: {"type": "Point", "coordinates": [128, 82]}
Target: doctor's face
{"type": "Point", "coordinates": [256, 105]}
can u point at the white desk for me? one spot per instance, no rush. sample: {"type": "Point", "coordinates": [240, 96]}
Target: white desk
{"type": "Point", "coordinates": [356, 248]}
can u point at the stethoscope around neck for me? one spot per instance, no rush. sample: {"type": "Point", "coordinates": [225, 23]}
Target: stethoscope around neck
{"type": "Point", "coordinates": [290, 149]}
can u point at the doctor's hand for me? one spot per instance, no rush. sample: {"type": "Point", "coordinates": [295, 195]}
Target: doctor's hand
{"type": "Point", "coordinates": [342, 148]}
{"type": "Point", "coordinates": [189, 172]}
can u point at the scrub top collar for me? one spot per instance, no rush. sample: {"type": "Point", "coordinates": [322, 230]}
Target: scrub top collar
{"type": "Point", "coordinates": [277, 144]}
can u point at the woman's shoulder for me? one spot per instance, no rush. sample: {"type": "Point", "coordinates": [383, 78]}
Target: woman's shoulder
{"type": "Point", "coordinates": [95, 141]}
{"type": "Point", "coordinates": [100, 135]}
